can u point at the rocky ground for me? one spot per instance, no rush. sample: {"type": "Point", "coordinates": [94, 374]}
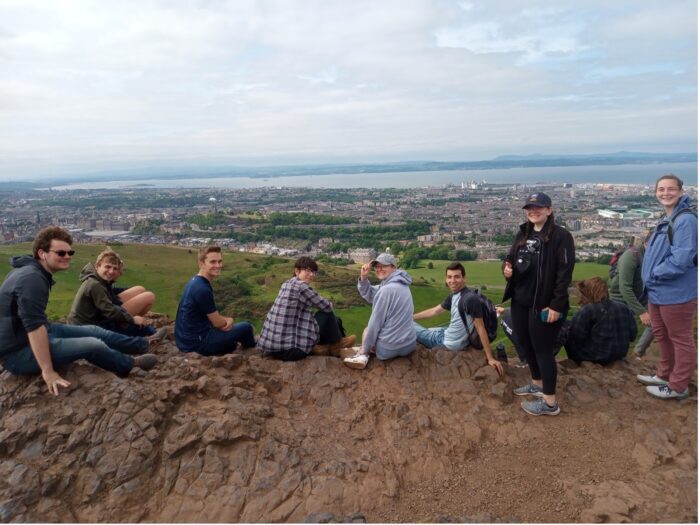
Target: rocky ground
{"type": "Point", "coordinates": [433, 437]}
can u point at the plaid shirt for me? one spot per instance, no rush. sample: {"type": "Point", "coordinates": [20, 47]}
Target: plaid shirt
{"type": "Point", "coordinates": [602, 332]}
{"type": "Point", "coordinates": [290, 323]}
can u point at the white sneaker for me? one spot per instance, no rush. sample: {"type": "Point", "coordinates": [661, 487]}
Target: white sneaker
{"type": "Point", "coordinates": [651, 380]}
{"type": "Point", "coordinates": [358, 361]}
{"type": "Point", "coordinates": [665, 392]}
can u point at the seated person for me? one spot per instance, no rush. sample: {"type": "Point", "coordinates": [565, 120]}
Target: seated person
{"type": "Point", "coordinates": [456, 336]}
{"type": "Point", "coordinates": [290, 331]}
{"type": "Point", "coordinates": [199, 327]}
{"type": "Point", "coordinates": [390, 330]}
{"type": "Point", "coordinates": [96, 303]}
{"type": "Point", "coordinates": [602, 330]}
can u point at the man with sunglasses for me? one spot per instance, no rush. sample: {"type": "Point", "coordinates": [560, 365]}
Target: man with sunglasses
{"type": "Point", "coordinates": [30, 345]}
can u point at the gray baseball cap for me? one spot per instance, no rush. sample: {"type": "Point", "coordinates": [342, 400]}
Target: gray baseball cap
{"type": "Point", "coordinates": [384, 259]}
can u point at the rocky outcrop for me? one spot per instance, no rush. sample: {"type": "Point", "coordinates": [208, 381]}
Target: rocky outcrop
{"type": "Point", "coordinates": [432, 437]}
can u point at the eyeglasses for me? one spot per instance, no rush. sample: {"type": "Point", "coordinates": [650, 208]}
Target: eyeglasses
{"type": "Point", "coordinates": [63, 253]}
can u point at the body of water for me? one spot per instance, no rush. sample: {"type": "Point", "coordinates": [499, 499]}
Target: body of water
{"type": "Point", "coordinates": [622, 174]}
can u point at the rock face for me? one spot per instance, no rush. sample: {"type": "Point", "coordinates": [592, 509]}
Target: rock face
{"type": "Point", "coordinates": [242, 438]}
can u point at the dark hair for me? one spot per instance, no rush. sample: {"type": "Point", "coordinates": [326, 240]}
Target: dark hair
{"type": "Point", "coordinates": [547, 229]}
{"type": "Point", "coordinates": [43, 239]}
{"type": "Point", "coordinates": [593, 290]}
{"type": "Point", "coordinates": [456, 265]}
{"type": "Point", "coordinates": [305, 263]}
{"type": "Point", "coordinates": [206, 250]}
{"type": "Point", "coordinates": [669, 176]}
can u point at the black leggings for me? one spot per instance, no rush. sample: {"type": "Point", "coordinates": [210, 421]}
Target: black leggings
{"type": "Point", "coordinates": [536, 338]}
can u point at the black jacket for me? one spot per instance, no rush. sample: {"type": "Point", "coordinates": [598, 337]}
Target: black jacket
{"type": "Point", "coordinates": [556, 266]}
{"type": "Point", "coordinates": [23, 298]}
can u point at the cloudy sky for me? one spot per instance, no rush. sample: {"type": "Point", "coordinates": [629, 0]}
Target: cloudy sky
{"type": "Point", "coordinates": [92, 85]}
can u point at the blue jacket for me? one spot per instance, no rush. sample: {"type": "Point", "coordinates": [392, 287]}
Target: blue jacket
{"type": "Point", "coordinates": [669, 272]}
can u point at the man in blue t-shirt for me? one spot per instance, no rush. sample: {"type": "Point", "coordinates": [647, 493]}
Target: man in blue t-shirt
{"type": "Point", "coordinates": [456, 335]}
{"type": "Point", "coordinates": [199, 327]}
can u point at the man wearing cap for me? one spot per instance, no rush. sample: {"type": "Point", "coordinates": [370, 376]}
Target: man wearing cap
{"type": "Point", "coordinates": [389, 332]}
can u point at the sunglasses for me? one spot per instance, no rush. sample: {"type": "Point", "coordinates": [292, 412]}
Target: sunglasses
{"type": "Point", "coordinates": [63, 253]}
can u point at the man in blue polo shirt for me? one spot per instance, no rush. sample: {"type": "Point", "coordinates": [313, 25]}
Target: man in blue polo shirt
{"type": "Point", "coordinates": [199, 327]}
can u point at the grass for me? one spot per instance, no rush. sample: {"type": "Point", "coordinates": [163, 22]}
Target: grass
{"type": "Point", "coordinates": [166, 269]}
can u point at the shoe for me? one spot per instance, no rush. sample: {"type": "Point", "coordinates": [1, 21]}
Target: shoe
{"type": "Point", "coordinates": [501, 353]}
{"type": "Point", "coordinates": [520, 364]}
{"type": "Point", "coordinates": [159, 336]}
{"type": "Point", "coordinates": [666, 392]}
{"type": "Point", "coordinates": [145, 361]}
{"type": "Point", "coordinates": [651, 380]}
{"type": "Point", "coordinates": [348, 352]}
{"type": "Point", "coordinates": [358, 361]}
{"type": "Point", "coordinates": [531, 389]}
{"type": "Point", "coordinates": [320, 350]}
{"type": "Point", "coordinates": [539, 407]}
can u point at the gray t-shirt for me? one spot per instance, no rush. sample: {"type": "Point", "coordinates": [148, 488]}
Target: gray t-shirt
{"type": "Point", "coordinates": [456, 334]}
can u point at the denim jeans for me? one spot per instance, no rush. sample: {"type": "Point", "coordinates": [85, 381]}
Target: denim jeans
{"type": "Point", "coordinates": [218, 342]}
{"type": "Point", "coordinates": [429, 337]}
{"type": "Point", "coordinates": [68, 343]}
{"type": "Point", "coordinates": [130, 329]}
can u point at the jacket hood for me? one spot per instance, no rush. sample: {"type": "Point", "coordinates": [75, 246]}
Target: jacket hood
{"type": "Point", "coordinates": [19, 261]}
{"type": "Point", "coordinates": [399, 277]}
{"type": "Point", "coordinates": [683, 202]}
{"type": "Point", "coordinates": [89, 271]}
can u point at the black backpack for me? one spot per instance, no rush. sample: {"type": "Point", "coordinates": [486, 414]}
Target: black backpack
{"type": "Point", "coordinates": [488, 315]}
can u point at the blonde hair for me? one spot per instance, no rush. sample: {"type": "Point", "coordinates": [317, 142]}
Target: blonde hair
{"type": "Point", "coordinates": [109, 256]}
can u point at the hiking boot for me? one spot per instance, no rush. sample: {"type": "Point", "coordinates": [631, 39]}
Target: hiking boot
{"type": "Point", "coordinates": [358, 361]}
{"type": "Point", "coordinates": [145, 361]}
{"type": "Point", "coordinates": [666, 392]}
{"type": "Point", "coordinates": [539, 407]}
{"type": "Point", "coordinates": [320, 350]}
{"type": "Point", "coordinates": [651, 380]}
{"type": "Point", "coordinates": [531, 389]}
{"type": "Point", "coordinates": [160, 336]}
{"type": "Point", "coordinates": [501, 353]}
{"type": "Point", "coordinates": [345, 342]}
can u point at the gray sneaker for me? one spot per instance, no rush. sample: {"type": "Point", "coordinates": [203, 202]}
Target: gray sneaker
{"type": "Point", "coordinates": [651, 380]}
{"type": "Point", "coordinates": [531, 389]}
{"type": "Point", "coordinates": [666, 392]}
{"type": "Point", "coordinates": [539, 407]}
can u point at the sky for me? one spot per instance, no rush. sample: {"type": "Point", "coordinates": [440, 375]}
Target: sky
{"type": "Point", "coordinates": [87, 86]}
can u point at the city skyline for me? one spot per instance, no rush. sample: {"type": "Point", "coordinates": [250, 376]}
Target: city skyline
{"type": "Point", "coordinates": [88, 87]}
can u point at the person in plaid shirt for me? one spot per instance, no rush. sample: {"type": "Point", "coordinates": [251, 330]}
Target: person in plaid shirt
{"type": "Point", "coordinates": [291, 332]}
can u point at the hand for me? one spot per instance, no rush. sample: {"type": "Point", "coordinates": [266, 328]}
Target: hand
{"type": "Point", "coordinates": [645, 318]}
{"type": "Point", "coordinates": [498, 366]}
{"type": "Point", "coordinates": [508, 270]}
{"type": "Point", "coordinates": [53, 381]}
{"type": "Point", "coordinates": [364, 271]}
{"type": "Point", "coordinates": [553, 316]}
{"type": "Point", "coordinates": [141, 321]}
{"type": "Point", "coordinates": [228, 325]}
{"type": "Point", "coordinates": [499, 311]}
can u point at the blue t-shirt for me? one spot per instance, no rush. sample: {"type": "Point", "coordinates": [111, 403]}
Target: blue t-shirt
{"type": "Point", "coordinates": [192, 324]}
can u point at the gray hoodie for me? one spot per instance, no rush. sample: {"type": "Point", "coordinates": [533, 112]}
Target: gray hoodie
{"type": "Point", "coordinates": [391, 324]}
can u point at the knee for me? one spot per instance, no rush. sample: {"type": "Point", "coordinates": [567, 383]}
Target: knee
{"type": "Point", "coordinates": [136, 290]}
{"type": "Point", "coordinates": [148, 297]}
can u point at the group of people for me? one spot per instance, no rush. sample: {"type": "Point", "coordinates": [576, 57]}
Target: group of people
{"type": "Point", "coordinates": [656, 280]}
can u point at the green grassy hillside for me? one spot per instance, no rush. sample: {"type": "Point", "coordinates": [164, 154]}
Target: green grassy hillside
{"type": "Point", "coordinates": [249, 283]}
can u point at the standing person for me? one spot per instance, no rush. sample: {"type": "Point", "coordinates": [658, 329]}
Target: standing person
{"type": "Point", "coordinates": [389, 332]}
{"type": "Point", "coordinates": [538, 269]}
{"type": "Point", "coordinates": [30, 345]}
{"type": "Point", "coordinates": [291, 332]}
{"type": "Point", "coordinates": [199, 327]}
{"type": "Point", "coordinates": [627, 287]}
{"type": "Point", "coordinates": [670, 275]}
{"type": "Point", "coordinates": [96, 303]}
{"type": "Point", "coordinates": [455, 336]}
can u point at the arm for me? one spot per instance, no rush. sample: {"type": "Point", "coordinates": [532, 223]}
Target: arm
{"type": "Point", "coordinates": [626, 268]}
{"type": "Point", "coordinates": [39, 343]}
{"type": "Point", "coordinates": [375, 323]}
{"type": "Point", "coordinates": [220, 322]}
{"type": "Point", "coordinates": [565, 269]}
{"type": "Point", "coordinates": [430, 312]}
{"type": "Point", "coordinates": [103, 303]}
{"type": "Point", "coordinates": [581, 325]}
{"type": "Point", "coordinates": [683, 250]}
{"type": "Point", "coordinates": [484, 336]}
{"type": "Point", "coordinates": [310, 297]}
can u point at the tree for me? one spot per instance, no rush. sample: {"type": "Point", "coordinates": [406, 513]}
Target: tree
{"type": "Point", "coordinates": [430, 265]}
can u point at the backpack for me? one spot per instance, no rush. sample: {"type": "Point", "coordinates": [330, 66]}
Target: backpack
{"type": "Point", "coordinates": [488, 315]}
{"type": "Point", "coordinates": [612, 272]}
{"type": "Point", "coordinates": [669, 230]}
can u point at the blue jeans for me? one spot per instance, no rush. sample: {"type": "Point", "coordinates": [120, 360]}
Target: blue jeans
{"type": "Point", "coordinates": [218, 342]}
{"type": "Point", "coordinates": [130, 329]}
{"type": "Point", "coordinates": [387, 353]}
{"type": "Point", "coordinates": [429, 337]}
{"type": "Point", "coordinates": [68, 343]}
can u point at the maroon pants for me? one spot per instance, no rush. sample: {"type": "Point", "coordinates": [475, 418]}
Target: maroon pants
{"type": "Point", "coordinates": [672, 325]}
